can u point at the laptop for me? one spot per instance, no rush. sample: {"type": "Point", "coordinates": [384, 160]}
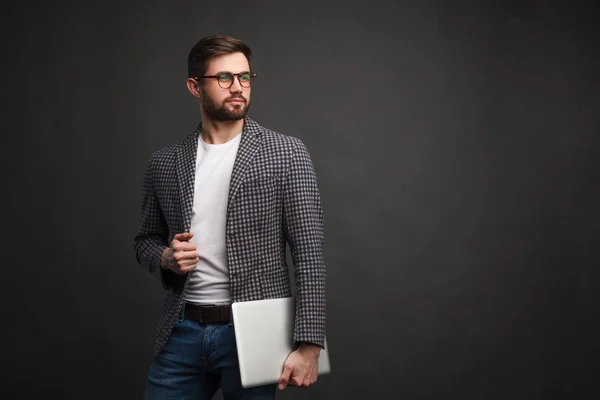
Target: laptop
{"type": "Point", "coordinates": [264, 333]}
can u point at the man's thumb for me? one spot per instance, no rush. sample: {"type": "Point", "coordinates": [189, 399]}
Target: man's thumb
{"type": "Point", "coordinates": [285, 377]}
{"type": "Point", "coordinates": [184, 236]}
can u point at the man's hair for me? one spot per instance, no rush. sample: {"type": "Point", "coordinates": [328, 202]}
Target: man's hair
{"type": "Point", "coordinates": [212, 46]}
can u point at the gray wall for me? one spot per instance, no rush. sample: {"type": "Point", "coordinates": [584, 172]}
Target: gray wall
{"type": "Point", "coordinates": [454, 144]}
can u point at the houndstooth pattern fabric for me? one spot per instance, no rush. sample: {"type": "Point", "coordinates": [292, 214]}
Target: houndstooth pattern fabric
{"type": "Point", "coordinates": [273, 200]}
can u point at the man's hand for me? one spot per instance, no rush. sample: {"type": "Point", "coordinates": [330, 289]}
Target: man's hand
{"type": "Point", "coordinates": [182, 256]}
{"type": "Point", "coordinates": [301, 366]}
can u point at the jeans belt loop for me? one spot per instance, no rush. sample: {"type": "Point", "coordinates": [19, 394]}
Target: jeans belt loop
{"type": "Point", "coordinates": [182, 313]}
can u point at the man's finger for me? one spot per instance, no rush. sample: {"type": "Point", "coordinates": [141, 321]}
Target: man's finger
{"type": "Point", "coordinates": [188, 268]}
{"type": "Point", "coordinates": [185, 255]}
{"type": "Point", "coordinates": [183, 246]}
{"type": "Point", "coordinates": [187, 263]}
{"type": "Point", "coordinates": [285, 377]}
{"type": "Point", "coordinates": [183, 236]}
{"type": "Point", "coordinates": [309, 380]}
{"type": "Point", "coordinates": [296, 381]}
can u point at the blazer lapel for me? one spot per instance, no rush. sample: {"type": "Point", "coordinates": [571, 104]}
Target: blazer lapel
{"type": "Point", "coordinates": [186, 167]}
{"type": "Point", "coordinates": [186, 171]}
{"type": "Point", "coordinates": [248, 146]}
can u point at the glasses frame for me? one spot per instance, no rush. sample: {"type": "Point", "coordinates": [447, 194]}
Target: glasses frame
{"type": "Point", "coordinates": [233, 77]}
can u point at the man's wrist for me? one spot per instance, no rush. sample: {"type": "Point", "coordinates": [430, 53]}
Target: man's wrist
{"type": "Point", "coordinates": [165, 257]}
{"type": "Point", "coordinates": [310, 347]}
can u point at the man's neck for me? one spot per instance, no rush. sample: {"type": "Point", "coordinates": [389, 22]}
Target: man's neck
{"type": "Point", "coordinates": [218, 132]}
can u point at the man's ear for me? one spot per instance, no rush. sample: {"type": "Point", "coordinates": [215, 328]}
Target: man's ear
{"type": "Point", "coordinates": [194, 87]}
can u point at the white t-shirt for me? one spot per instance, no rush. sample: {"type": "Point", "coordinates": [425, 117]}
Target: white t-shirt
{"type": "Point", "coordinates": [209, 281]}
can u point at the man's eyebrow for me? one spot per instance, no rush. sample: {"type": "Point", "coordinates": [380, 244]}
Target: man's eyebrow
{"type": "Point", "coordinates": [229, 72]}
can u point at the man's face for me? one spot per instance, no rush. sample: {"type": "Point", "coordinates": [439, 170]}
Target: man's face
{"type": "Point", "coordinates": [222, 103]}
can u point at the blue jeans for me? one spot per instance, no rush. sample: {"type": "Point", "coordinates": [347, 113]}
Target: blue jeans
{"type": "Point", "coordinates": [197, 360]}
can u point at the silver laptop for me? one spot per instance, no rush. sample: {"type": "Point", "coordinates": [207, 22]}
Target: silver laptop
{"type": "Point", "coordinates": [264, 334]}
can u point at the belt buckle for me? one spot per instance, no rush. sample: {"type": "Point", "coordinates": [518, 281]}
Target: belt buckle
{"type": "Point", "coordinates": [206, 312]}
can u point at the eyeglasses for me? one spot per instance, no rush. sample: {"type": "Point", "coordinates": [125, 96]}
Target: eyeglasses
{"type": "Point", "coordinates": [225, 79]}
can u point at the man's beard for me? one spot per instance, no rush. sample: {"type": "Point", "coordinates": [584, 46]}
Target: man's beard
{"type": "Point", "coordinates": [222, 113]}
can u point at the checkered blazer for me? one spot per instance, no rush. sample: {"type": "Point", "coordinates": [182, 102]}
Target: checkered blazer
{"type": "Point", "coordinates": [273, 200]}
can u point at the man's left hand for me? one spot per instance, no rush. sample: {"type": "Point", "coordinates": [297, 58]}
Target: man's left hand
{"type": "Point", "coordinates": [301, 366]}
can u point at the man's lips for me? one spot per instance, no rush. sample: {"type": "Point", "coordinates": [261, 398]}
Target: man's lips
{"type": "Point", "coordinates": [237, 100]}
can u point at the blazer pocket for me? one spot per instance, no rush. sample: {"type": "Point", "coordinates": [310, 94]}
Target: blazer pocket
{"type": "Point", "coordinates": [260, 184]}
{"type": "Point", "coordinates": [260, 195]}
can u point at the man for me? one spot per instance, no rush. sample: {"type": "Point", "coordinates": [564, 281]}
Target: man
{"type": "Point", "coordinates": [218, 209]}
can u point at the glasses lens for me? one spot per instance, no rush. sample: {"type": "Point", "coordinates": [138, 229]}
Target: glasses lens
{"type": "Point", "coordinates": [246, 79]}
{"type": "Point", "coordinates": [225, 80]}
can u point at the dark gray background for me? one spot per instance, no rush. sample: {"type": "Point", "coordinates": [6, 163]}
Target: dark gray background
{"type": "Point", "coordinates": [454, 144]}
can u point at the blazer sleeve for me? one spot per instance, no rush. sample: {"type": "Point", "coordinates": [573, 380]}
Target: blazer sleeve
{"type": "Point", "coordinates": [304, 230]}
{"type": "Point", "coordinates": [152, 237]}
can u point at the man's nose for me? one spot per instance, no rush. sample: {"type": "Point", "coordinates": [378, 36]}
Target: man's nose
{"type": "Point", "coordinates": [236, 85]}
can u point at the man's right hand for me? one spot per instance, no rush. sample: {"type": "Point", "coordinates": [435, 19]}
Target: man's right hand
{"type": "Point", "coordinates": [182, 256]}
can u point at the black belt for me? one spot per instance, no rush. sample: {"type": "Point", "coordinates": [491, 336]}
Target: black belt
{"type": "Point", "coordinates": [207, 314]}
